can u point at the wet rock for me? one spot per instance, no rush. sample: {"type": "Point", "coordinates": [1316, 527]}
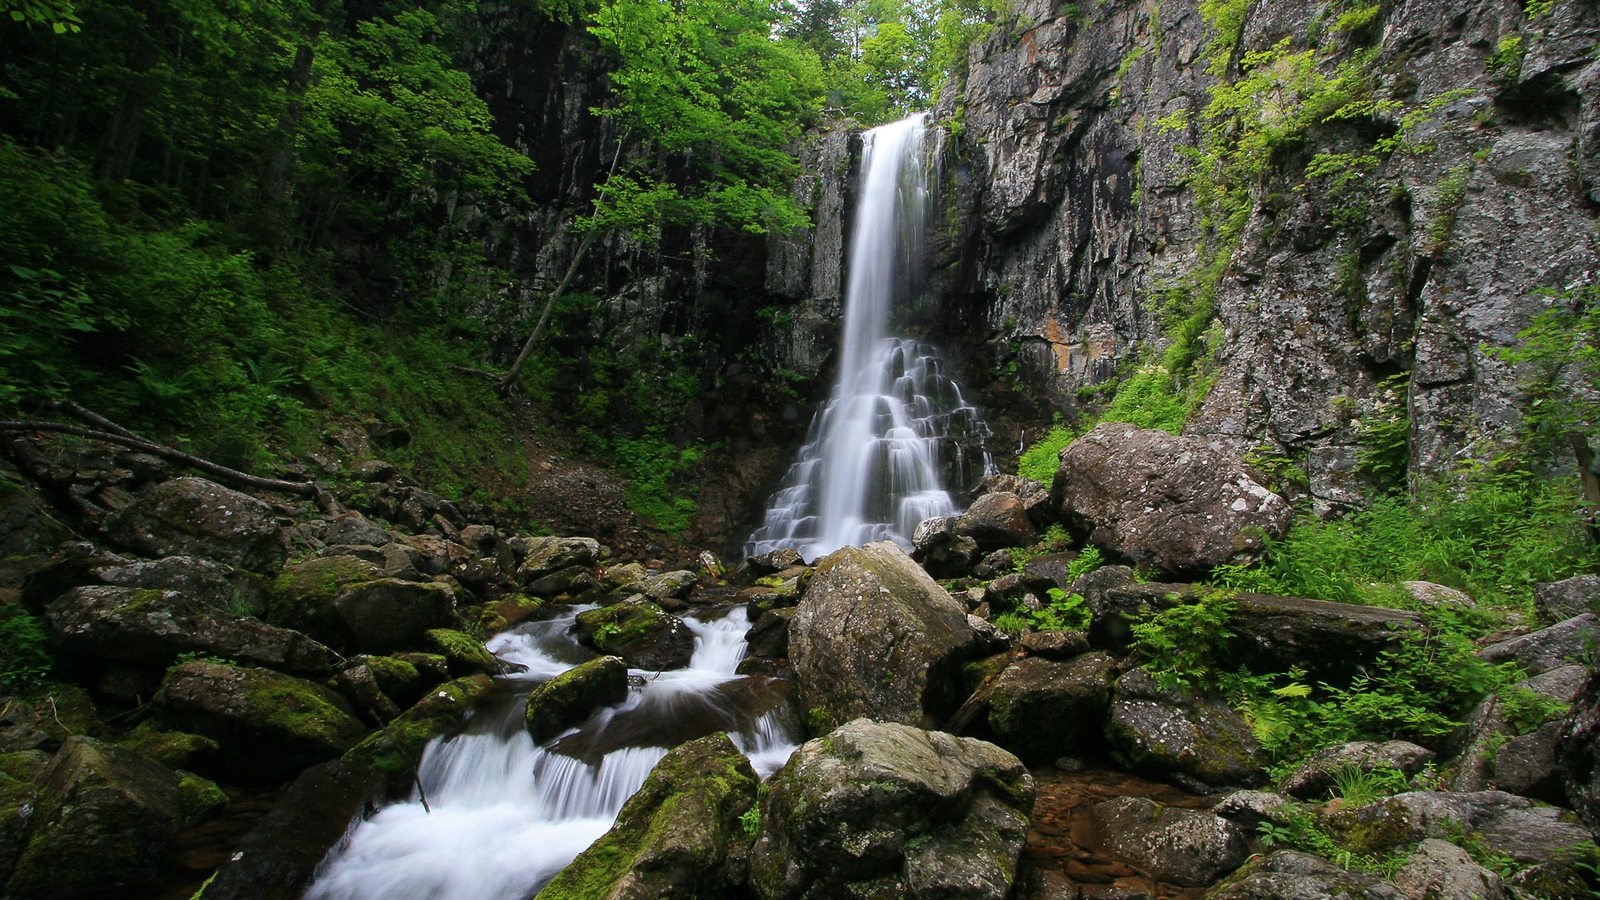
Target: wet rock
{"type": "Point", "coordinates": [396, 749]}
{"type": "Point", "coordinates": [570, 697]}
{"type": "Point", "coordinates": [1316, 777]}
{"type": "Point", "coordinates": [1440, 870]}
{"type": "Point", "coordinates": [208, 583]}
{"type": "Point", "coordinates": [192, 516]}
{"type": "Point", "coordinates": [347, 603]}
{"type": "Point", "coordinates": [1168, 501]}
{"type": "Point", "coordinates": [277, 858]}
{"type": "Point", "coordinates": [640, 632]}
{"type": "Point", "coordinates": [616, 578]}
{"type": "Point", "coordinates": [941, 550]}
{"type": "Point", "coordinates": [463, 654]}
{"type": "Point", "coordinates": [769, 636]}
{"type": "Point", "coordinates": [269, 725]}
{"type": "Point", "coordinates": [888, 810]}
{"type": "Point", "coordinates": [1035, 495]}
{"type": "Point", "coordinates": [1041, 709]}
{"type": "Point", "coordinates": [571, 580]}
{"type": "Point", "coordinates": [997, 520]}
{"type": "Point", "coordinates": [398, 679]}
{"type": "Point", "coordinates": [359, 685]}
{"type": "Point", "coordinates": [771, 562]}
{"type": "Point", "coordinates": [678, 838]}
{"type": "Point", "coordinates": [1054, 644]}
{"type": "Point", "coordinates": [1561, 644]}
{"type": "Point", "coordinates": [1558, 601]}
{"type": "Point", "coordinates": [1292, 875]}
{"type": "Point", "coordinates": [1182, 846]}
{"type": "Point", "coordinates": [1196, 742]}
{"type": "Point", "coordinates": [104, 818]}
{"type": "Point", "coordinates": [875, 636]}
{"type": "Point", "coordinates": [153, 627]}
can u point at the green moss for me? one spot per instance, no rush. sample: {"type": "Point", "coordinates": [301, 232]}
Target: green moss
{"type": "Point", "coordinates": [23, 765]}
{"type": "Point", "coordinates": [291, 706]}
{"type": "Point", "coordinates": [173, 749]}
{"type": "Point", "coordinates": [199, 797]}
{"type": "Point", "coordinates": [397, 747]}
{"type": "Point", "coordinates": [399, 680]}
{"type": "Point", "coordinates": [463, 654]}
{"type": "Point", "coordinates": [302, 594]}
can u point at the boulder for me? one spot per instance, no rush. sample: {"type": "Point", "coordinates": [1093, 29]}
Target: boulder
{"type": "Point", "coordinates": [269, 725]}
{"type": "Point", "coordinates": [153, 627]}
{"type": "Point", "coordinates": [1041, 709]}
{"type": "Point", "coordinates": [888, 810]}
{"type": "Point", "coordinates": [570, 697]}
{"type": "Point", "coordinates": [1317, 775]}
{"type": "Point", "coordinates": [1181, 846]}
{"type": "Point", "coordinates": [1514, 826]}
{"type": "Point", "coordinates": [679, 837]}
{"type": "Point", "coordinates": [1168, 501]}
{"type": "Point", "coordinates": [640, 632]}
{"type": "Point", "coordinates": [667, 585]}
{"type": "Point", "coordinates": [1578, 753]}
{"type": "Point", "coordinates": [1505, 745]}
{"type": "Point", "coordinates": [463, 654]}
{"type": "Point", "coordinates": [769, 636]}
{"type": "Point", "coordinates": [1196, 742]}
{"type": "Point", "coordinates": [348, 603]}
{"type": "Point", "coordinates": [875, 636]}
{"type": "Point", "coordinates": [941, 550]}
{"type": "Point", "coordinates": [1054, 644]}
{"type": "Point", "coordinates": [1439, 870]}
{"type": "Point", "coordinates": [396, 749]}
{"type": "Point", "coordinates": [544, 555]}
{"type": "Point", "coordinates": [208, 583]}
{"type": "Point", "coordinates": [278, 856]}
{"type": "Point", "coordinates": [1426, 593]}
{"type": "Point", "coordinates": [1561, 644]}
{"type": "Point", "coordinates": [769, 563]}
{"type": "Point", "coordinates": [1558, 601]}
{"type": "Point", "coordinates": [192, 516]}
{"type": "Point", "coordinates": [571, 580]}
{"type": "Point", "coordinates": [997, 520]}
{"type": "Point", "coordinates": [1035, 495]}
{"type": "Point", "coordinates": [1292, 875]}
{"type": "Point", "coordinates": [353, 528]}
{"type": "Point", "coordinates": [101, 826]}
{"type": "Point", "coordinates": [1248, 809]}
{"type": "Point", "coordinates": [173, 749]}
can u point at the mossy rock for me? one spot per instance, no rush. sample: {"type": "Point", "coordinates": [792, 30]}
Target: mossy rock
{"type": "Point", "coordinates": [516, 608]}
{"type": "Point", "coordinates": [23, 765]}
{"type": "Point", "coordinates": [640, 632]}
{"type": "Point", "coordinates": [569, 698]}
{"type": "Point", "coordinates": [173, 749]}
{"type": "Point", "coordinates": [400, 680]}
{"type": "Point", "coordinates": [199, 797]}
{"type": "Point", "coordinates": [104, 819]}
{"type": "Point", "coordinates": [270, 725]}
{"type": "Point", "coordinates": [432, 668]}
{"type": "Point", "coordinates": [396, 748]}
{"type": "Point", "coordinates": [464, 654]}
{"type": "Point", "coordinates": [676, 837]}
{"type": "Point", "coordinates": [302, 596]}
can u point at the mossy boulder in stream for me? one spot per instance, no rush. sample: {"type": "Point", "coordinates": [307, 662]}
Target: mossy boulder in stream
{"type": "Point", "coordinates": [103, 820]}
{"type": "Point", "coordinates": [883, 810]}
{"type": "Point", "coordinates": [570, 697]}
{"type": "Point", "coordinates": [673, 838]}
{"type": "Point", "coordinates": [270, 725]}
{"type": "Point", "coordinates": [348, 603]}
{"type": "Point", "coordinates": [463, 654]}
{"type": "Point", "coordinates": [397, 747]}
{"type": "Point", "coordinates": [640, 632]}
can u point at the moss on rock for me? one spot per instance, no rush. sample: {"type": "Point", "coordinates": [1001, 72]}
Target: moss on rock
{"type": "Point", "coordinates": [570, 697]}
{"type": "Point", "coordinates": [173, 749]}
{"type": "Point", "coordinates": [199, 797]}
{"type": "Point", "coordinates": [397, 747]}
{"type": "Point", "coordinates": [463, 654]}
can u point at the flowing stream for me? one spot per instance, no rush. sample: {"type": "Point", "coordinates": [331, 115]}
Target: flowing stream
{"type": "Point", "coordinates": [504, 816]}
{"type": "Point", "coordinates": [870, 468]}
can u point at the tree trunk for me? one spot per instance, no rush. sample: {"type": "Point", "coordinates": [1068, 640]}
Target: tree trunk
{"type": "Point", "coordinates": [1591, 482]}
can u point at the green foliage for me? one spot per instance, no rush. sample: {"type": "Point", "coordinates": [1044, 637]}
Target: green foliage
{"type": "Point", "coordinates": [1357, 788]}
{"type": "Point", "coordinates": [1184, 645]}
{"type": "Point", "coordinates": [60, 16]}
{"type": "Point", "coordinates": [1064, 612]}
{"type": "Point", "coordinates": [1087, 561]}
{"type": "Point", "coordinates": [1452, 190]}
{"type": "Point", "coordinates": [1560, 359]}
{"type": "Point", "coordinates": [25, 660]}
{"type": "Point", "coordinates": [750, 821]}
{"type": "Point", "coordinates": [1043, 457]}
{"type": "Point", "coordinates": [1383, 436]}
{"type": "Point", "coordinates": [1300, 829]}
{"type": "Point", "coordinates": [1494, 538]}
{"type": "Point", "coordinates": [1505, 63]}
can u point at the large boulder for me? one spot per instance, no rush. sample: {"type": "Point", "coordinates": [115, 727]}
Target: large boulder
{"type": "Point", "coordinates": [1196, 742]}
{"type": "Point", "coordinates": [888, 810]}
{"type": "Point", "coordinates": [1439, 869]}
{"type": "Point", "coordinates": [396, 749]}
{"type": "Point", "coordinates": [1318, 775]}
{"type": "Point", "coordinates": [1510, 740]}
{"type": "Point", "coordinates": [153, 627]}
{"type": "Point", "coordinates": [676, 837]}
{"type": "Point", "coordinates": [277, 858]}
{"type": "Point", "coordinates": [570, 697]}
{"type": "Point", "coordinates": [1181, 846]}
{"type": "Point", "coordinates": [874, 635]}
{"type": "Point", "coordinates": [1292, 875]}
{"type": "Point", "coordinates": [1558, 601]}
{"type": "Point", "coordinates": [1562, 644]}
{"type": "Point", "coordinates": [544, 556]}
{"type": "Point", "coordinates": [101, 826]}
{"type": "Point", "coordinates": [640, 632]}
{"type": "Point", "coordinates": [1512, 826]}
{"type": "Point", "coordinates": [348, 603]}
{"type": "Point", "coordinates": [269, 724]}
{"type": "Point", "coordinates": [1172, 502]}
{"type": "Point", "coordinates": [997, 520]}
{"type": "Point", "coordinates": [1042, 709]}
{"type": "Point", "coordinates": [194, 516]}
{"type": "Point", "coordinates": [943, 551]}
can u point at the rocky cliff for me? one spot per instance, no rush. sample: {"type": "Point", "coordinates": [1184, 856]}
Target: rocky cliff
{"type": "Point", "coordinates": [1461, 182]}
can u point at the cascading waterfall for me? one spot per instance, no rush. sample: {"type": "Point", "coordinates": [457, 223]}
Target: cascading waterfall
{"type": "Point", "coordinates": [504, 816]}
{"type": "Point", "coordinates": [870, 467]}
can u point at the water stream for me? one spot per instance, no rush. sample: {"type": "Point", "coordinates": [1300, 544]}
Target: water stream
{"type": "Point", "coordinates": [873, 462]}
{"type": "Point", "coordinates": [504, 816]}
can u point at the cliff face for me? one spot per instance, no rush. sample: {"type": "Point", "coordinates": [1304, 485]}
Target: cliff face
{"type": "Point", "coordinates": [1081, 218]}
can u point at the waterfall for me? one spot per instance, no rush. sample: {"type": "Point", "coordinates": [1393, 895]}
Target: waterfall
{"type": "Point", "coordinates": [870, 468]}
{"type": "Point", "coordinates": [504, 815]}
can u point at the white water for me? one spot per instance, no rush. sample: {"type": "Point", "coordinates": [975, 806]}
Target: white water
{"type": "Point", "coordinates": [870, 467]}
{"type": "Point", "coordinates": [506, 816]}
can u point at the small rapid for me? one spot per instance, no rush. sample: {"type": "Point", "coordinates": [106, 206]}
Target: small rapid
{"type": "Point", "coordinates": [504, 815]}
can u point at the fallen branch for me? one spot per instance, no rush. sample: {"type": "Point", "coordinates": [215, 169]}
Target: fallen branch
{"type": "Point", "coordinates": [122, 437]}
